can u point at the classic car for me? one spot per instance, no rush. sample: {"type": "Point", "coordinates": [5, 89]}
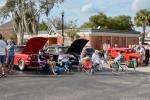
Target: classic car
{"type": "Point", "coordinates": [127, 53]}
{"type": "Point", "coordinates": [89, 51]}
{"type": "Point", "coordinates": [26, 56]}
{"type": "Point", "coordinates": [72, 51]}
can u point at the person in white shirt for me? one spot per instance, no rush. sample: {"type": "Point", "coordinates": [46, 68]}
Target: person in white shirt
{"type": "Point", "coordinates": [142, 52]}
{"type": "Point", "coordinates": [96, 60]}
{"type": "Point", "coordinates": [3, 46]}
{"type": "Point", "coordinates": [64, 61]}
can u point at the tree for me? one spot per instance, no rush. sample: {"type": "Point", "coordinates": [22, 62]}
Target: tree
{"type": "Point", "coordinates": [142, 19]}
{"type": "Point", "coordinates": [26, 14]}
{"type": "Point", "coordinates": [72, 33]}
{"type": "Point", "coordinates": [104, 22]}
{"type": "Point", "coordinates": [57, 22]}
{"type": "Point", "coordinates": [43, 26]}
{"type": "Point", "coordinates": [99, 20]}
{"type": "Point", "coordinates": [87, 25]}
{"type": "Point", "coordinates": [119, 23]}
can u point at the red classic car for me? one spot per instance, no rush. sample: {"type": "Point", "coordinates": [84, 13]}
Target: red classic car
{"type": "Point", "coordinates": [27, 56]}
{"type": "Point", "coordinates": [128, 54]}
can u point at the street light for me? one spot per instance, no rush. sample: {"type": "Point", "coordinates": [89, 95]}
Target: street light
{"type": "Point", "coordinates": [62, 15]}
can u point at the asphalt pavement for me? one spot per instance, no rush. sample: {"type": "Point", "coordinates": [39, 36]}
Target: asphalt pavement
{"type": "Point", "coordinates": [102, 85]}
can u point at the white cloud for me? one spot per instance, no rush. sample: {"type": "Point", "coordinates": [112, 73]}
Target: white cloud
{"type": "Point", "coordinates": [140, 4]}
{"type": "Point", "coordinates": [89, 8]}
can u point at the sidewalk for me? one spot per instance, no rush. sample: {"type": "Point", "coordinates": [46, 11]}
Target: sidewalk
{"type": "Point", "coordinates": [143, 68]}
{"type": "Point", "coordinates": [139, 68]}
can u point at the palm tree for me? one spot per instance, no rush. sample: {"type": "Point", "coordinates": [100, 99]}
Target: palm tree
{"type": "Point", "coordinates": [142, 19]}
{"type": "Point", "coordinates": [26, 14]}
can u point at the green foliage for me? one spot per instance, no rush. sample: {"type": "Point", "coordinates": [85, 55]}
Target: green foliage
{"type": "Point", "coordinates": [101, 20]}
{"type": "Point", "coordinates": [87, 25]}
{"type": "Point", "coordinates": [142, 19]}
{"type": "Point", "coordinates": [73, 34]}
{"type": "Point", "coordinates": [43, 26]}
{"type": "Point", "coordinates": [26, 14]}
{"type": "Point", "coordinates": [10, 6]}
{"type": "Point", "coordinates": [47, 5]}
{"type": "Point", "coordinates": [119, 22]}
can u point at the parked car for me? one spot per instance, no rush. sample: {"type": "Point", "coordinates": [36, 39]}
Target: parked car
{"type": "Point", "coordinates": [26, 56]}
{"type": "Point", "coordinates": [127, 53]}
{"type": "Point", "coordinates": [73, 51]}
{"type": "Point", "coordinates": [89, 51]}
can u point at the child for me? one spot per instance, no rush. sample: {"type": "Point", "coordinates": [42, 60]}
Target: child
{"type": "Point", "coordinates": [52, 64]}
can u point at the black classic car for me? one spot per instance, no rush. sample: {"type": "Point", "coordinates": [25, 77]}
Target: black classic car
{"type": "Point", "coordinates": [73, 51]}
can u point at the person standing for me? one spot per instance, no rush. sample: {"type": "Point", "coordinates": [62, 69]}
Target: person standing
{"type": "Point", "coordinates": [64, 61]}
{"type": "Point", "coordinates": [142, 52]}
{"type": "Point", "coordinates": [147, 55]}
{"type": "Point", "coordinates": [3, 47]}
{"type": "Point", "coordinates": [11, 53]}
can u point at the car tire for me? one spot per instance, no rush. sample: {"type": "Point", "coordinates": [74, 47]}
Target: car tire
{"type": "Point", "coordinates": [21, 65]}
{"type": "Point", "coordinates": [135, 62]}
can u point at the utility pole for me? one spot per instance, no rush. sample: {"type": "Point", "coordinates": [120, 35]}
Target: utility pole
{"type": "Point", "coordinates": [62, 15]}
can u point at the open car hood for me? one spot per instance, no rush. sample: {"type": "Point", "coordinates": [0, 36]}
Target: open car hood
{"type": "Point", "coordinates": [77, 46]}
{"type": "Point", "coordinates": [35, 44]}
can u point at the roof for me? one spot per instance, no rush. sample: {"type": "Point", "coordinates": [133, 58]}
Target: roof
{"type": "Point", "coordinates": [108, 31]}
{"type": "Point", "coordinates": [43, 32]}
{"type": "Point", "coordinates": [8, 25]}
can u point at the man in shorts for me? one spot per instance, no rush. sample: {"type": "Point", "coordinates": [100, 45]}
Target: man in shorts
{"type": "Point", "coordinates": [3, 47]}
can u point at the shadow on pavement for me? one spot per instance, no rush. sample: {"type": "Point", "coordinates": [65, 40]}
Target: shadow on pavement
{"type": "Point", "coordinates": [40, 73]}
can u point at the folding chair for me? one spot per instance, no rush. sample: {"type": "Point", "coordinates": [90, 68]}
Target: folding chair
{"type": "Point", "coordinates": [119, 64]}
{"type": "Point", "coordinates": [130, 64]}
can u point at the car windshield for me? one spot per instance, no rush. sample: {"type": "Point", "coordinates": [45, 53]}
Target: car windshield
{"type": "Point", "coordinates": [57, 50]}
{"type": "Point", "coordinates": [61, 49]}
{"type": "Point", "coordinates": [90, 50]}
{"type": "Point", "coordinates": [129, 51]}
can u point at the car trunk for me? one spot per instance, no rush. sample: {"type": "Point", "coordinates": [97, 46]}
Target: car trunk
{"type": "Point", "coordinates": [77, 46]}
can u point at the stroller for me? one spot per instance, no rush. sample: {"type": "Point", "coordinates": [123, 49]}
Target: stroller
{"type": "Point", "coordinates": [87, 65]}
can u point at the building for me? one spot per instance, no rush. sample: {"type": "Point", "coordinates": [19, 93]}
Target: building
{"type": "Point", "coordinates": [147, 37]}
{"type": "Point", "coordinates": [53, 39]}
{"type": "Point", "coordinates": [103, 39]}
{"type": "Point", "coordinates": [7, 30]}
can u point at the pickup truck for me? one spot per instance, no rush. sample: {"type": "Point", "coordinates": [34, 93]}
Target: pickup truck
{"type": "Point", "coordinates": [127, 53]}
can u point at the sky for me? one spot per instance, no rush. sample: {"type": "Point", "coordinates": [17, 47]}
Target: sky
{"type": "Point", "coordinates": [81, 10]}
